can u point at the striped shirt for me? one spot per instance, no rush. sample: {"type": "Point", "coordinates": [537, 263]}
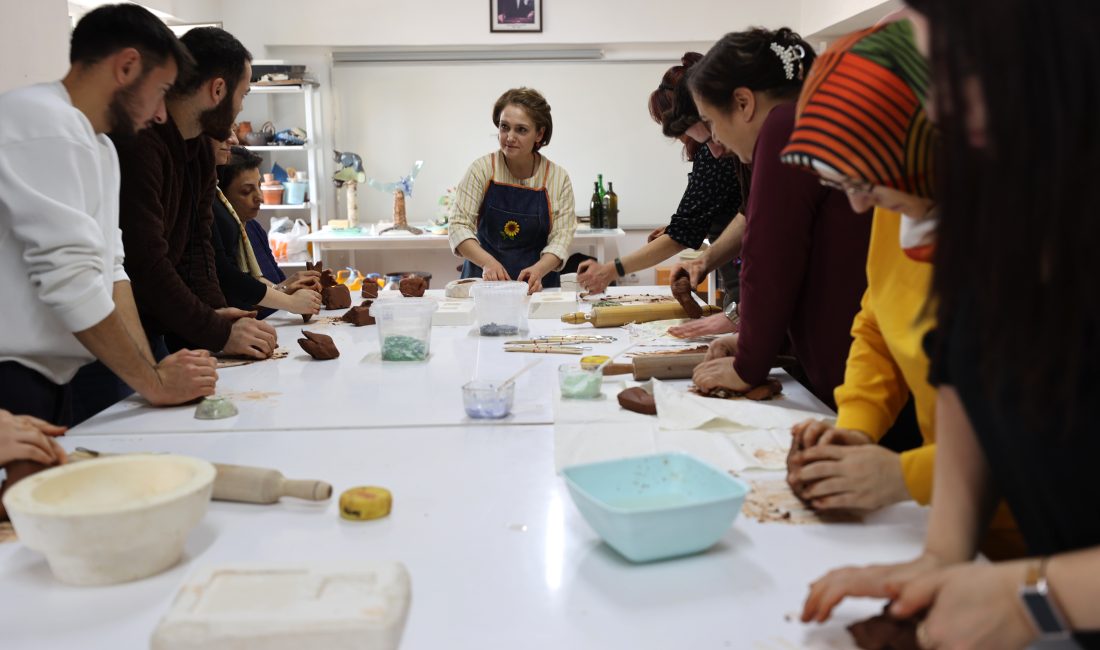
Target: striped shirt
{"type": "Point", "coordinates": [471, 191]}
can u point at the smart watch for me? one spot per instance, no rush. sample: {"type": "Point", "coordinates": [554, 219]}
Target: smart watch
{"type": "Point", "coordinates": [1043, 611]}
{"type": "Point", "coordinates": [619, 267]}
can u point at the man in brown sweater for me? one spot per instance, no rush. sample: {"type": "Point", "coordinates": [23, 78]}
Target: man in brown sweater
{"type": "Point", "coordinates": [165, 212]}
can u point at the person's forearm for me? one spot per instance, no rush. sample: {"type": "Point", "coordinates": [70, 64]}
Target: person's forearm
{"type": "Point", "coordinates": [962, 493]}
{"type": "Point", "coordinates": [1072, 580]}
{"type": "Point", "coordinates": [127, 310]}
{"type": "Point", "coordinates": [111, 342]}
{"type": "Point", "coordinates": [275, 299]}
{"type": "Point", "coordinates": [652, 254]}
{"type": "Point", "coordinates": [547, 263]}
{"type": "Point", "coordinates": [728, 245]}
{"type": "Point", "coordinates": [472, 250]}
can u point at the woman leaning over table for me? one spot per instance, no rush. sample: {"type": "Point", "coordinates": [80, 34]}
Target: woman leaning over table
{"type": "Point", "coordinates": [514, 212]}
{"type": "Point", "coordinates": [710, 201]}
{"type": "Point", "coordinates": [1018, 335]}
{"type": "Point", "coordinates": [804, 249]}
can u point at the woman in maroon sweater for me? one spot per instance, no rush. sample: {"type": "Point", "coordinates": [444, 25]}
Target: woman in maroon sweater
{"type": "Point", "coordinates": [805, 251]}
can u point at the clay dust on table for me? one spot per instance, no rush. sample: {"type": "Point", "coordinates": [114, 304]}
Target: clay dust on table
{"type": "Point", "coordinates": [772, 502]}
{"type": "Point", "coordinates": [251, 396]}
{"type": "Point", "coordinates": [233, 362]}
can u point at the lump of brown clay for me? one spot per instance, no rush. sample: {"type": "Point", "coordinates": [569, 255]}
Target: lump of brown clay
{"type": "Point", "coordinates": [762, 393]}
{"type": "Point", "coordinates": [681, 291]}
{"type": "Point", "coordinates": [638, 400]}
{"type": "Point", "coordinates": [413, 286]}
{"type": "Point", "coordinates": [337, 297]}
{"type": "Point", "coordinates": [319, 346]}
{"type": "Point", "coordinates": [359, 316]}
{"type": "Point", "coordinates": [884, 632]}
{"type": "Point", "coordinates": [370, 290]}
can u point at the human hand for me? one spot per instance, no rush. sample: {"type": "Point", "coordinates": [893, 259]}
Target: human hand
{"type": "Point", "coordinates": [657, 232]}
{"type": "Point", "coordinates": [713, 324]}
{"type": "Point", "coordinates": [27, 438]}
{"type": "Point", "coordinates": [494, 272]}
{"type": "Point", "coordinates": [719, 373]}
{"type": "Point", "coordinates": [695, 269]}
{"type": "Point", "coordinates": [532, 275]}
{"type": "Point", "coordinates": [595, 277]}
{"type": "Point", "coordinates": [720, 348]}
{"type": "Point", "coordinates": [860, 477]}
{"type": "Point", "coordinates": [969, 606]}
{"type": "Point", "coordinates": [874, 581]}
{"type": "Point", "coordinates": [183, 376]}
{"type": "Point", "coordinates": [232, 313]}
{"type": "Point", "coordinates": [251, 338]}
{"type": "Point", "coordinates": [303, 280]}
{"type": "Point", "coordinates": [305, 301]}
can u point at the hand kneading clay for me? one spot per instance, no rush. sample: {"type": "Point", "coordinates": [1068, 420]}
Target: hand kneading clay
{"type": "Point", "coordinates": [337, 297]}
{"type": "Point", "coordinates": [364, 503]}
{"type": "Point", "coordinates": [637, 399]}
{"type": "Point", "coordinates": [762, 393]}
{"type": "Point", "coordinates": [413, 286]}
{"type": "Point", "coordinates": [359, 316]}
{"type": "Point", "coordinates": [319, 346]}
{"type": "Point", "coordinates": [884, 632]}
{"type": "Point", "coordinates": [681, 291]}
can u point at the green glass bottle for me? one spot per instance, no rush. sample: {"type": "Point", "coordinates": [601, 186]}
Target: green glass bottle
{"type": "Point", "coordinates": [595, 207]}
{"type": "Point", "coordinates": [611, 217]}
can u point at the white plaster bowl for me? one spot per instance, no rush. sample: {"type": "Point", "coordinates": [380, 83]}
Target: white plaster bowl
{"type": "Point", "coordinates": [114, 519]}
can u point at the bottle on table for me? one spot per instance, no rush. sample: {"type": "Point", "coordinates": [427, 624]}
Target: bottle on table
{"type": "Point", "coordinates": [595, 207]}
{"type": "Point", "coordinates": [611, 214]}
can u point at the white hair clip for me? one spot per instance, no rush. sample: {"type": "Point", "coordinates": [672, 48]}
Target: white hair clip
{"type": "Point", "coordinates": [789, 56]}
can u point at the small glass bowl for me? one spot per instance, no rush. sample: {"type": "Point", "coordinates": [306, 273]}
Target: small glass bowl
{"type": "Point", "coordinates": [487, 400]}
{"type": "Point", "coordinates": [577, 382]}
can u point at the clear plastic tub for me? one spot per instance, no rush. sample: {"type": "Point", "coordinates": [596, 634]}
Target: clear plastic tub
{"type": "Point", "coordinates": [404, 327]}
{"type": "Point", "coordinates": [488, 400]}
{"type": "Point", "coordinates": [501, 308]}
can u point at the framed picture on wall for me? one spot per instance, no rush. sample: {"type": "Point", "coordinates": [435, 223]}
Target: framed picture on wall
{"type": "Point", "coordinates": [515, 15]}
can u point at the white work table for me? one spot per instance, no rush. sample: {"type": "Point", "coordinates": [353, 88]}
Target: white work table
{"type": "Point", "coordinates": [499, 556]}
{"type": "Point", "coordinates": [327, 240]}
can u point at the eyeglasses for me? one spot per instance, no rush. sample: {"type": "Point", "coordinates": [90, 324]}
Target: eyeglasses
{"type": "Point", "coordinates": [849, 187]}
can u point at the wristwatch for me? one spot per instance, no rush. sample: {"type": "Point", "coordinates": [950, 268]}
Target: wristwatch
{"type": "Point", "coordinates": [731, 313]}
{"type": "Point", "coordinates": [1043, 611]}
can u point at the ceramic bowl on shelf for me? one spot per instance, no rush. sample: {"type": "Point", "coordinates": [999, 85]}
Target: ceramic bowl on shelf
{"type": "Point", "coordinates": [113, 519]}
{"type": "Point", "coordinates": [656, 507]}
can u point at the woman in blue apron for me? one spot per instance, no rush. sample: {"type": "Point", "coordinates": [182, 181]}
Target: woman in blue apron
{"type": "Point", "coordinates": [514, 212]}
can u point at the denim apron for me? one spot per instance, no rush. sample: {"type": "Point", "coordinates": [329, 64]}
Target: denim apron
{"type": "Point", "coordinates": [513, 226]}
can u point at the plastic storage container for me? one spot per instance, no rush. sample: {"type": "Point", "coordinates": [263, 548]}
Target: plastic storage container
{"type": "Point", "coordinates": [295, 192]}
{"type": "Point", "coordinates": [501, 308]}
{"type": "Point", "coordinates": [404, 327]}
{"type": "Point", "coordinates": [578, 382]}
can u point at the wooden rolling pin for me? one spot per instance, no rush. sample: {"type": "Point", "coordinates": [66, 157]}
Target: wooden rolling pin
{"type": "Point", "coordinates": [247, 484]}
{"type": "Point", "coordinates": [618, 315]}
{"type": "Point", "coordinates": [667, 366]}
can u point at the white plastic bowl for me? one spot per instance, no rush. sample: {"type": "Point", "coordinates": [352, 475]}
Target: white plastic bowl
{"type": "Point", "coordinates": [114, 519]}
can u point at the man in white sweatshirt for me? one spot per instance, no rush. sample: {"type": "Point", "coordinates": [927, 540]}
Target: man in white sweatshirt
{"type": "Point", "coordinates": [67, 299]}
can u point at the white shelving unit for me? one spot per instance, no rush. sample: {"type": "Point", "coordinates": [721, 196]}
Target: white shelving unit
{"type": "Point", "coordinates": [311, 151]}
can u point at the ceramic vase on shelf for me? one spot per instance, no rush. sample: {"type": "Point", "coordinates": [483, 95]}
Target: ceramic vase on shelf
{"type": "Point", "coordinates": [272, 190]}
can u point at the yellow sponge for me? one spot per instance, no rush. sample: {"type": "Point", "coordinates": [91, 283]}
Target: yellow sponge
{"type": "Point", "coordinates": [363, 503]}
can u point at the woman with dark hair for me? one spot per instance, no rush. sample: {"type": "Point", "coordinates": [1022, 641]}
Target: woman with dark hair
{"type": "Point", "coordinates": [239, 274]}
{"type": "Point", "coordinates": [709, 204]}
{"type": "Point", "coordinates": [804, 249]}
{"type": "Point", "coordinates": [514, 212]}
{"type": "Point", "coordinates": [1014, 411]}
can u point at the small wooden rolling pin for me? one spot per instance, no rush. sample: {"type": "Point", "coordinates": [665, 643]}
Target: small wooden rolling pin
{"type": "Point", "coordinates": [619, 315]}
{"type": "Point", "coordinates": [247, 484]}
{"type": "Point", "coordinates": [667, 366]}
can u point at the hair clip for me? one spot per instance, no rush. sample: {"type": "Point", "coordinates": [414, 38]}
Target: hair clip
{"type": "Point", "coordinates": [788, 55]}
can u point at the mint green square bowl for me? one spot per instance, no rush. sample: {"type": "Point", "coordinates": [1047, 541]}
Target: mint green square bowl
{"type": "Point", "coordinates": [656, 507]}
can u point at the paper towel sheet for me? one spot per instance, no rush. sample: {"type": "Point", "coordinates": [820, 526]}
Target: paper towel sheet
{"type": "Point", "coordinates": [678, 408]}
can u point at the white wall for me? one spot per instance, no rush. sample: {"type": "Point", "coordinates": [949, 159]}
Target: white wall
{"type": "Point", "coordinates": [382, 23]}
{"type": "Point", "coordinates": [34, 41]}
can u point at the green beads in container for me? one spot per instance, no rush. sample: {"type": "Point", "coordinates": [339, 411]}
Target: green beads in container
{"type": "Point", "coordinates": [403, 348]}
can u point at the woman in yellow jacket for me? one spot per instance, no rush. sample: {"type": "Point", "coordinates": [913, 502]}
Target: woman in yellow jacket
{"type": "Point", "coordinates": [862, 127]}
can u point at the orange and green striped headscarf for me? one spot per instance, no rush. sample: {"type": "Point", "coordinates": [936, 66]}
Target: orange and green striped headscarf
{"type": "Point", "coordinates": [861, 112]}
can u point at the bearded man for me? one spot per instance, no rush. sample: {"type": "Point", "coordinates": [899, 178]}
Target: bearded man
{"type": "Point", "coordinates": [168, 181]}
